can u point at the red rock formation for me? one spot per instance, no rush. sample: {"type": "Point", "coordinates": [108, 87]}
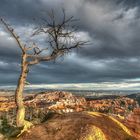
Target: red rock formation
{"type": "Point", "coordinates": [133, 120]}
{"type": "Point", "coordinates": [120, 105]}
{"type": "Point", "coordinates": [60, 101]}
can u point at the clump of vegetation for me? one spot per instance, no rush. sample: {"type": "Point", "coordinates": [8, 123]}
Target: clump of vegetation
{"type": "Point", "coordinates": [7, 129]}
{"type": "Point", "coordinates": [138, 99]}
{"type": "Point", "coordinates": [48, 116]}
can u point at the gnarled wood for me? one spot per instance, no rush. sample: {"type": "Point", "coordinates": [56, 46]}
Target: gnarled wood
{"type": "Point", "coordinates": [54, 32]}
{"type": "Point", "coordinates": [19, 92]}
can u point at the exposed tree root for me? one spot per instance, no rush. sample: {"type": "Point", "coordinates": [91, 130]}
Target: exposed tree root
{"type": "Point", "coordinates": [27, 126]}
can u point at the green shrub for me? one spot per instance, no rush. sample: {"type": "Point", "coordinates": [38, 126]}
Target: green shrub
{"type": "Point", "coordinates": [7, 130]}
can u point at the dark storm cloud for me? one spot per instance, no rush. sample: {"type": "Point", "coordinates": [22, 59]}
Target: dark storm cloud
{"type": "Point", "coordinates": [115, 32]}
{"type": "Point", "coordinates": [25, 11]}
{"type": "Point", "coordinates": [19, 10]}
{"type": "Point", "coordinates": [82, 71]}
{"type": "Point", "coordinates": [112, 26]}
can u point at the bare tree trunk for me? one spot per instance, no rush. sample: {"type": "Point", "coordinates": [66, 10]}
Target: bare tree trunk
{"type": "Point", "coordinates": [20, 118]}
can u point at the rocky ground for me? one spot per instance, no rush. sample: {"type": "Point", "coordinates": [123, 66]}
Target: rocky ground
{"type": "Point", "coordinates": [80, 126]}
{"type": "Point", "coordinates": [117, 118]}
{"type": "Point", "coordinates": [133, 120]}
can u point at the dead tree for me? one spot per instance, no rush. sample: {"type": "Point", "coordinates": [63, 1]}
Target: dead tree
{"type": "Point", "coordinates": [61, 40]}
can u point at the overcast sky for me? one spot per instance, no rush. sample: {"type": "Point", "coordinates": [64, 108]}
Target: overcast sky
{"type": "Point", "coordinates": [112, 60]}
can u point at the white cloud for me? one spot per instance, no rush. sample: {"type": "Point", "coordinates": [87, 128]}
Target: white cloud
{"type": "Point", "coordinates": [3, 64]}
{"type": "Point", "coordinates": [89, 86]}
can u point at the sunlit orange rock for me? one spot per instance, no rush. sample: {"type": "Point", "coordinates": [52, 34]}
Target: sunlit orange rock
{"type": "Point", "coordinates": [133, 120]}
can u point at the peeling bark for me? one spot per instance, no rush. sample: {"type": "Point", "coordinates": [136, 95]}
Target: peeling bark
{"type": "Point", "coordinates": [20, 118]}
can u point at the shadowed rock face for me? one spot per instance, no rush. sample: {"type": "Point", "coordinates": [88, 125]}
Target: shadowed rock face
{"type": "Point", "coordinates": [133, 120]}
{"type": "Point", "coordinates": [79, 126]}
